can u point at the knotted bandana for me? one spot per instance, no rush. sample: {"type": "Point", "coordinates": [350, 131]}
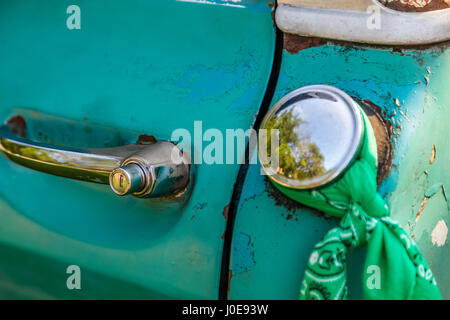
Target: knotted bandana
{"type": "Point", "coordinates": [394, 267]}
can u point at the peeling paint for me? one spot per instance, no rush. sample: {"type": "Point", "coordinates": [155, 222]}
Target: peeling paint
{"type": "Point", "coordinates": [244, 253]}
{"type": "Point", "coordinates": [200, 205]}
{"type": "Point", "coordinates": [439, 234]}
{"type": "Point", "coordinates": [379, 74]}
{"type": "Point", "coordinates": [293, 43]}
{"type": "Point", "coordinates": [433, 154]}
{"type": "Point", "coordinates": [382, 129]}
{"type": "Point", "coordinates": [230, 275]}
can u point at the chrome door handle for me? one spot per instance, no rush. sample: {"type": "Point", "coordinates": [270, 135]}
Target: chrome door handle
{"type": "Point", "coordinates": [141, 170]}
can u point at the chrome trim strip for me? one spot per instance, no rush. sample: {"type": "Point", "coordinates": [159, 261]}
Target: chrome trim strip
{"type": "Point", "coordinates": [396, 28]}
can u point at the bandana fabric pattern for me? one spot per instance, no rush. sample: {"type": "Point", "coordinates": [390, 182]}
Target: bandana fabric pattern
{"type": "Point", "coordinates": [401, 270]}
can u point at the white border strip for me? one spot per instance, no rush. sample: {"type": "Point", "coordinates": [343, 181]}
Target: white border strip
{"type": "Point", "coordinates": [396, 28]}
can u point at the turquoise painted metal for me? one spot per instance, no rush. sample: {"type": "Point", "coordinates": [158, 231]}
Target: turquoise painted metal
{"type": "Point", "coordinates": [146, 67]}
{"type": "Point", "coordinates": [135, 67]}
{"type": "Point", "coordinates": [273, 238]}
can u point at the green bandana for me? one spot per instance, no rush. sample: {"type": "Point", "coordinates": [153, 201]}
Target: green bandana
{"type": "Point", "coordinates": [394, 267]}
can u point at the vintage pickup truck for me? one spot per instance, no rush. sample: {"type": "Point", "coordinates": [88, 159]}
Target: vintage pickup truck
{"type": "Point", "coordinates": [93, 93]}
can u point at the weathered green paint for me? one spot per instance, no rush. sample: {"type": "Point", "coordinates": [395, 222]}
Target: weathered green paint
{"type": "Point", "coordinates": [281, 241]}
{"type": "Point", "coordinates": [141, 66]}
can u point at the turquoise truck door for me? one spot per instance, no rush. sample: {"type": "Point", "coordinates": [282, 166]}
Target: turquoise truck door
{"type": "Point", "coordinates": [96, 74]}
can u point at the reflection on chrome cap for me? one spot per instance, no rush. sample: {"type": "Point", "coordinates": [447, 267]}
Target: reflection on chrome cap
{"type": "Point", "coordinates": [319, 133]}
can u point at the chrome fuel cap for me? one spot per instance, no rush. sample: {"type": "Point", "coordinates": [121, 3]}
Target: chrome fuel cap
{"type": "Point", "coordinates": [319, 130]}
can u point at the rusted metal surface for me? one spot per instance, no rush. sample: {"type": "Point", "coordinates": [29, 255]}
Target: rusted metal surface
{"type": "Point", "coordinates": [416, 5]}
{"type": "Point", "coordinates": [225, 211]}
{"type": "Point", "coordinates": [18, 125]}
{"type": "Point", "coordinates": [433, 154]}
{"type": "Point", "coordinates": [407, 85]}
{"type": "Point", "coordinates": [382, 130]}
{"type": "Point", "coordinates": [293, 207]}
{"type": "Point", "coordinates": [294, 43]}
{"type": "Point", "coordinates": [243, 262]}
{"type": "Point", "coordinates": [146, 139]}
{"type": "Point", "coordinates": [151, 87]}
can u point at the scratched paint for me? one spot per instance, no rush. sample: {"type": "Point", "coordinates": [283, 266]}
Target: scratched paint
{"type": "Point", "coordinates": [416, 5]}
{"type": "Point", "coordinates": [245, 257]}
{"type": "Point", "coordinates": [439, 234]}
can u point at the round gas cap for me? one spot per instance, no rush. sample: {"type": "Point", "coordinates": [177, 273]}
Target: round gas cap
{"type": "Point", "coordinates": [313, 133]}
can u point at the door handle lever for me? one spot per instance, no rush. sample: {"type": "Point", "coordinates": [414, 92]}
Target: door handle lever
{"type": "Point", "coordinates": [146, 171]}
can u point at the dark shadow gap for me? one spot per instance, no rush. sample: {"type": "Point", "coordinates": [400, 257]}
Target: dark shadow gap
{"type": "Point", "coordinates": [238, 186]}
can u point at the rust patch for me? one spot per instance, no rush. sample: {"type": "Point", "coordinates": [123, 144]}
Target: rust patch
{"type": "Point", "coordinates": [225, 211]}
{"type": "Point", "coordinates": [291, 205]}
{"type": "Point", "coordinates": [200, 205]}
{"type": "Point", "coordinates": [18, 125]}
{"type": "Point", "coordinates": [280, 199]}
{"type": "Point", "coordinates": [383, 133]}
{"type": "Point", "coordinates": [398, 50]}
{"type": "Point", "coordinates": [230, 274]}
{"type": "Point", "coordinates": [146, 139]}
{"type": "Point", "coordinates": [416, 5]}
{"type": "Point", "coordinates": [433, 154]}
{"type": "Point", "coordinates": [422, 206]}
{"type": "Point", "coordinates": [274, 22]}
{"type": "Point", "coordinates": [294, 43]}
